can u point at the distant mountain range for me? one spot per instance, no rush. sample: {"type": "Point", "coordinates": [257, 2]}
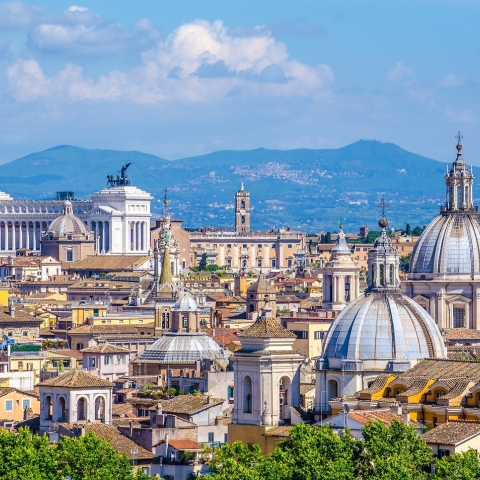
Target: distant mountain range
{"type": "Point", "coordinates": [301, 189]}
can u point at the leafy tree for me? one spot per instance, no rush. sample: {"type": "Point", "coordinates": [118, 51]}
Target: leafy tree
{"type": "Point", "coordinates": [316, 453]}
{"type": "Point", "coordinates": [203, 263]}
{"type": "Point", "coordinates": [404, 263]}
{"type": "Point", "coordinates": [395, 452]}
{"type": "Point", "coordinates": [90, 457]}
{"type": "Point", "coordinates": [212, 268]}
{"type": "Point", "coordinates": [408, 229]}
{"type": "Point", "coordinates": [26, 457]}
{"type": "Point", "coordinates": [237, 462]}
{"type": "Point", "coordinates": [461, 466]}
{"type": "Point", "coordinates": [417, 231]}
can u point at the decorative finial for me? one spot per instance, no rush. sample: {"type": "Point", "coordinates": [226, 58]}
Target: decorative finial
{"type": "Point", "coordinates": [459, 141]}
{"type": "Point", "coordinates": [166, 201]}
{"type": "Point", "coordinates": [341, 223]}
{"type": "Point", "coordinates": [383, 222]}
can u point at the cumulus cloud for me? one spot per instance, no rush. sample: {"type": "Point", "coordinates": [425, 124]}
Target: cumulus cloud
{"type": "Point", "coordinates": [198, 61]}
{"type": "Point", "coordinates": [400, 71]}
{"type": "Point", "coordinates": [77, 31]}
{"type": "Point", "coordinates": [451, 80]}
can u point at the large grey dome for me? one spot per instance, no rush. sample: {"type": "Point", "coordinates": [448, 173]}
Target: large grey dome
{"type": "Point", "coordinates": [384, 325]}
{"type": "Point", "coordinates": [183, 347]}
{"type": "Point", "coordinates": [449, 245]}
{"type": "Point", "coordinates": [68, 223]}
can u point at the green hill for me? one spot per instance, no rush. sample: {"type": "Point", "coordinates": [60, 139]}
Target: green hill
{"type": "Point", "coordinates": [308, 189]}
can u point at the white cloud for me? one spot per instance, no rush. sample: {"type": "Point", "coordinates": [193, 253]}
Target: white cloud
{"type": "Point", "coordinates": [460, 116]}
{"type": "Point", "coordinates": [451, 80]}
{"type": "Point", "coordinates": [400, 71]}
{"type": "Point", "coordinates": [199, 61]}
{"type": "Point", "coordinates": [18, 15]}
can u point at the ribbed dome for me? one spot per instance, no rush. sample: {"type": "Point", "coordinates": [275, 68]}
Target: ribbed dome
{"type": "Point", "coordinates": [182, 347]}
{"type": "Point", "coordinates": [67, 223]}
{"type": "Point", "coordinates": [186, 303]}
{"type": "Point", "coordinates": [449, 245]}
{"type": "Point", "coordinates": [384, 325]}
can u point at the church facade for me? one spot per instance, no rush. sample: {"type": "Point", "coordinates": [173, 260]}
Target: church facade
{"type": "Point", "coordinates": [444, 273]}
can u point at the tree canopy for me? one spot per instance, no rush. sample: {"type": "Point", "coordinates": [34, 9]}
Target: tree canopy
{"type": "Point", "coordinates": [394, 452]}
{"type": "Point", "coordinates": [24, 456]}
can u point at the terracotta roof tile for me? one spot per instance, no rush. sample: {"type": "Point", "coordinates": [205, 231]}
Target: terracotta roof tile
{"type": "Point", "coordinates": [68, 353]}
{"type": "Point", "coordinates": [105, 348]}
{"type": "Point", "coordinates": [266, 327]}
{"type": "Point", "coordinates": [110, 329]}
{"type": "Point", "coordinates": [461, 334]}
{"type": "Point", "coordinates": [185, 445]}
{"type": "Point", "coordinates": [75, 379]}
{"type": "Point", "coordinates": [385, 415]}
{"type": "Point", "coordinates": [282, 431]}
{"type": "Point", "coordinates": [453, 432]}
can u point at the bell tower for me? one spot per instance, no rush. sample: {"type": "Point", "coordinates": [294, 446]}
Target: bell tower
{"type": "Point", "coordinates": [242, 210]}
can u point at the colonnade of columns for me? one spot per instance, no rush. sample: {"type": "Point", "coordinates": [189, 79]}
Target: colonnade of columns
{"type": "Point", "coordinates": [139, 236]}
{"type": "Point", "coordinates": [17, 234]}
{"type": "Point", "coordinates": [101, 230]}
{"type": "Point", "coordinates": [334, 288]}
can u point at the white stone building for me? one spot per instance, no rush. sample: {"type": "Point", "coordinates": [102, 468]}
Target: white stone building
{"type": "Point", "coordinates": [74, 397]}
{"type": "Point", "coordinates": [119, 217]}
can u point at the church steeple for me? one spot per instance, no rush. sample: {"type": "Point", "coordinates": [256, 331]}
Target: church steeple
{"type": "Point", "coordinates": [459, 182]}
{"type": "Point", "coordinates": [242, 210]}
{"type": "Point", "coordinates": [383, 261]}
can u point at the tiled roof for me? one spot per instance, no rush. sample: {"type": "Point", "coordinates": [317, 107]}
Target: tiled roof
{"type": "Point", "coordinates": [261, 286]}
{"type": "Point", "coordinates": [377, 384]}
{"type": "Point", "coordinates": [121, 409]}
{"type": "Point", "coordinates": [109, 329]}
{"type": "Point", "coordinates": [267, 352]}
{"type": "Point", "coordinates": [184, 445]}
{"type": "Point", "coordinates": [68, 353]}
{"type": "Point", "coordinates": [463, 352]}
{"type": "Point", "coordinates": [140, 379]}
{"type": "Point", "coordinates": [452, 433]}
{"type": "Point", "coordinates": [415, 387]}
{"type": "Point", "coordinates": [266, 327]}
{"type": "Point", "coordinates": [188, 404]}
{"type": "Point", "coordinates": [76, 379]}
{"type": "Point", "coordinates": [105, 348]}
{"type": "Point", "coordinates": [223, 336]}
{"type": "Point", "coordinates": [385, 415]}
{"type": "Point", "coordinates": [7, 390]}
{"type": "Point", "coordinates": [20, 316]}
{"type": "Point", "coordinates": [461, 334]}
{"type": "Point", "coordinates": [119, 442]}
{"type": "Point", "coordinates": [118, 263]}
{"type": "Point", "coordinates": [306, 387]}
{"type": "Point", "coordinates": [282, 431]}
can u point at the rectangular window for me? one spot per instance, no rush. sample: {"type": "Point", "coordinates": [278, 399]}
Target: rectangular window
{"type": "Point", "coordinates": [230, 393]}
{"type": "Point", "coordinates": [214, 245]}
{"type": "Point", "coordinates": [184, 322]}
{"type": "Point", "coordinates": [225, 437]}
{"type": "Point", "coordinates": [318, 335]}
{"type": "Point", "coordinates": [289, 245]}
{"type": "Point", "coordinates": [229, 245]}
{"type": "Point", "coordinates": [121, 359]}
{"type": "Point", "coordinates": [69, 256]}
{"type": "Point", "coordinates": [108, 359]}
{"type": "Point", "coordinates": [458, 317]}
{"type": "Point", "coordinates": [95, 312]}
{"type": "Point", "coordinates": [211, 436]}
{"type": "Point", "coordinates": [25, 403]}
{"type": "Point", "coordinates": [91, 362]}
{"type": "Point", "coordinates": [302, 335]}
{"type": "Point", "coordinates": [259, 263]}
{"type": "Point", "coordinates": [79, 346]}
{"type": "Point", "coordinates": [289, 262]}
{"type": "Point", "coordinates": [274, 246]}
{"type": "Point", "coordinates": [9, 405]}
{"type": "Point", "coordinates": [229, 262]}
{"type": "Point", "coordinates": [244, 245]}
{"type": "Point", "coordinates": [24, 333]}
{"type": "Point", "coordinates": [274, 262]}
{"type": "Point", "coordinates": [260, 245]}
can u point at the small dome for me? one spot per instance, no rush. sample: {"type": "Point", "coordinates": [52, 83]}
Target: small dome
{"type": "Point", "coordinates": [67, 223]}
{"type": "Point", "coordinates": [341, 247]}
{"type": "Point", "coordinates": [183, 347]}
{"type": "Point", "coordinates": [261, 286]}
{"type": "Point", "coordinates": [449, 245]}
{"type": "Point", "coordinates": [384, 325]}
{"type": "Point", "coordinates": [186, 303]}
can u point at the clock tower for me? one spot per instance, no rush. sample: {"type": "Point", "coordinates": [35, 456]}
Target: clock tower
{"type": "Point", "coordinates": [242, 211]}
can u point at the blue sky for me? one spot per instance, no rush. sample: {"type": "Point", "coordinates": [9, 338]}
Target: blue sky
{"type": "Point", "coordinates": [184, 78]}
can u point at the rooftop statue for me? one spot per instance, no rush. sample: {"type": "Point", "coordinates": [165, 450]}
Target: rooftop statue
{"type": "Point", "coordinates": [119, 180]}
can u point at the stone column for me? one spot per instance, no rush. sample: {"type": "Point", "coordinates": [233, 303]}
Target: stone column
{"type": "Point", "coordinates": [6, 236]}
{"type": "Point", "coordinates": [103, 237]}
{"type": "Point", "coordinates": [20, 234]}
{"type": "Point", "coordinates": [14, 239]}
{"type": "Point", "coordinates": [341, 290]}
{"type": "Point", "coordinates": [27, 235]}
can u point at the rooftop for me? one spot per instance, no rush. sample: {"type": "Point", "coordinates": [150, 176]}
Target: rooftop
{"type": "Point", "coordinates": [453, 432]}
{"type": "Point", "coordinates": [105, 348]}
{"type": "Point", "coordinates": [75, 379]}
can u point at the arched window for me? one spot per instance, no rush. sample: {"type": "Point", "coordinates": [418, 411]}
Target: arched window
{"type": "Point", "coordinates": [62, 410]}
{"type": "Point", "coordinates": [82, 409]}
{"type": "Point", "coordinates": [332, 389]}
{"type": "Point", "coordinates": [382, 274]}
{"type": "Point", "coordinates": [242, 205]}
{"type": "Point", "coordinates": [284, 398]}
{"type": "Point", "coordinates": [163, 320]}
{"type": "Point", "coordinates": [459, 197]}
{"type": "Point", "coordinates": [100, 409]}
{"type": "Point", "coordinates": [251, 308]}
{"type": "Point", "coordinates": [467, 197]}
{"type": "Point", "coordinates": [392, 274]}
{"type": "Point", "coordinates": [243, 218]}
{"type": "Point", "coordinates": [48, 408]}
{"type": "Point", "coordinates": [247, 395]}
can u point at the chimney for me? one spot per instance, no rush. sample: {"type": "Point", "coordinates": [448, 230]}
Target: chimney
{"type": "Point", "coordinates": [406, 418]}
{"type": "Point", "coordinates": [28, 413]}
{"type": "Point", "coordinates": [130, 433]}
{"type": "Point", "coordinates": [11, 308]}
{"type": "Point", "coordinates": [397, 408]}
